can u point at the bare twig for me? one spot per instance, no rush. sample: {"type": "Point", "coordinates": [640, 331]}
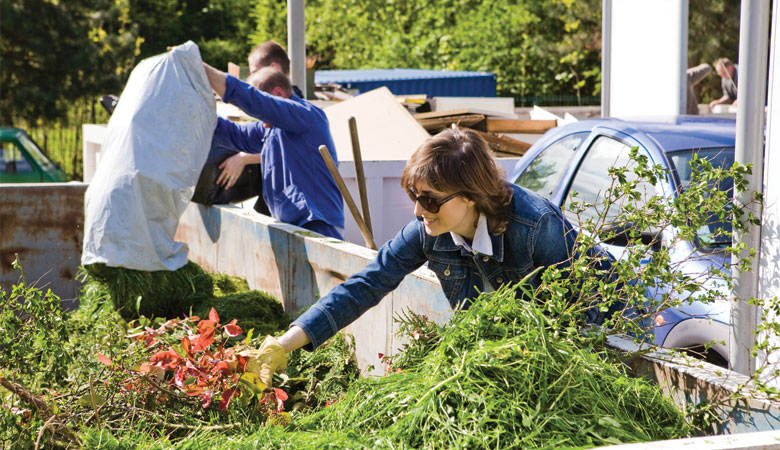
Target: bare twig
{"type": "Point", "coordinates": [43, 428]}
{"type": "Point", "coordinates": [42, 408]}
{"type": "Point", "coordinates": [27, 396]}
{"type": "Point", "coordinates": [180, 426]}
{"type": "Point", "coordinates": [92, 398]}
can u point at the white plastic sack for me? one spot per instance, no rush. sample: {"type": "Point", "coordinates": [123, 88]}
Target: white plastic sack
{"type": "Point", "coordinates": [154, 149]}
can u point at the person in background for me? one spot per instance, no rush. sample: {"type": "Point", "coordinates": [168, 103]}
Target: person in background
{"type": "Point", "coordinates": [476, 231]}
{"type": "Point", "coordinates": [211, 188]}
{"type": "Point", "coordinates": [694, 76]}
{"type": "Point", "coordinates": [271, 54]}
{"type": "Point", "coordinates": [297, 185]}
{"type": "Point", "coordinates": [728, 72]}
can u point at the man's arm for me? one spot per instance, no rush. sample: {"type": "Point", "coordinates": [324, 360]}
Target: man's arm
{"type": "Point", "coordinates": [281, 112]}
{"type": "Point", "coordinates": [247, 138]}
{"type": "Point", "coordinates": [216, 79]}
{"type": "Point", "coordinates": [286, 114]}
{"type": "Point", "coordinates": [696, 74]}
{"type": "Point", "coordinates": [724, 99]}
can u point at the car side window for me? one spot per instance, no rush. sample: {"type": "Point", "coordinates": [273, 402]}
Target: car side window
{"type": "Point", "coordinates": [544, 174]}
{"type": "Point", "coordinates": [592, 180]}
{"type": "Point", "coordinates": [12, 160]}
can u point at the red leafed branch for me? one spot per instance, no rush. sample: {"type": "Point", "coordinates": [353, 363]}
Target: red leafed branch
{"type": "Point", "coordinates": [202, 367]}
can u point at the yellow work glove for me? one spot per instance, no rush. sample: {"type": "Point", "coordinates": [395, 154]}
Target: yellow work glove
{"type": "Point", "coordinates": [266, 360]}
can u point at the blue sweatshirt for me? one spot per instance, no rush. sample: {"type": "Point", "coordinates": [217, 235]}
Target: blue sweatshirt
{"type": "Point", "coordinates": [297, 186]}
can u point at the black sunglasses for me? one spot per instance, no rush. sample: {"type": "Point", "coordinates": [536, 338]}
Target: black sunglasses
{"type": "Point", "coordinates": [430, 203]}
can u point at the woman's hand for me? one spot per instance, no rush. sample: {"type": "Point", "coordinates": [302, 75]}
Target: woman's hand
{"type": "Point", "coordinates": [264, 361]}
{"type": "Point", "coordinates": [272, 354]}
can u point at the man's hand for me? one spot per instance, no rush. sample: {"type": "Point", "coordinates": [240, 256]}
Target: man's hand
{"type": "Point", "coordinates": [232, 167]}
{"type": "Point", "coordinates": [266, 360]}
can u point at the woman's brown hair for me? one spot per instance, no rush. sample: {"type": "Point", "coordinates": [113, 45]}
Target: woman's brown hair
{"type": "Point", "coordinates": [459, 160]}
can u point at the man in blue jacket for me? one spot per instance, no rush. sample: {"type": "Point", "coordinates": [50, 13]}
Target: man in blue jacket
{"type": "Point", "coordinates": [297, 186]}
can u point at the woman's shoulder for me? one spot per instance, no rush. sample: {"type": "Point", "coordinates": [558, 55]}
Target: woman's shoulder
{"type": "Point", "coordinates": [528, 207]}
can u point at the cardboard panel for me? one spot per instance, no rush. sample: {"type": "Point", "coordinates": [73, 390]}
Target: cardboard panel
{"type": "Point", "coordinates": [386, 130]}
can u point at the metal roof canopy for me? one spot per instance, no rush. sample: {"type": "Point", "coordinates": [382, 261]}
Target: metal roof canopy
{"type": "Point", "coordinates": [434, 83]}
{"type": "Point", "coordinates": [332, 76]}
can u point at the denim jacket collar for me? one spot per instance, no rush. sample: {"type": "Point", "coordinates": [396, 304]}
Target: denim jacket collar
{"type": "Point", "coordinates": [444, 243]}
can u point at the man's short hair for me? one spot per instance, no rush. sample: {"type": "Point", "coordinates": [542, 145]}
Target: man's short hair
{"type": "Point", "coordinates": [270, 52]}
{"type": "Point", "coordinates": [268, 78]}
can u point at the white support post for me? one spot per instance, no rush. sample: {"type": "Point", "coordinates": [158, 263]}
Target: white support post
{"type": "Point", "coordinates": [606, 54]}
{"type": "Point", "coordinates": [296, 42]}
{"type": "Point", "coordinates": [769, 266]}
{"type": "Point", "coordinates": [753, 46]}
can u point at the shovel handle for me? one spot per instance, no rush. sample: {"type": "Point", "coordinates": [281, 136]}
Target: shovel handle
{"type": "Point", "coordinates": [334, 171]}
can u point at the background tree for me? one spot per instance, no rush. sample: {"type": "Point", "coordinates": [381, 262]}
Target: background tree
{"type": "Point", "coordinates": [527, 43]}
{"type": "Point", "coordinates": [54, 53]}
{"type": "Point", "coordinates": [535, 47]}
{"type": "Point", "coordinates": [221, 28]}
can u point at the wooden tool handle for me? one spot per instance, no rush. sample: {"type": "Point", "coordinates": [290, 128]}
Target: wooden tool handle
{"type": "Point", "coordinates": [334, 171]}
{"type": "Point", "coordinates": [359, 174]}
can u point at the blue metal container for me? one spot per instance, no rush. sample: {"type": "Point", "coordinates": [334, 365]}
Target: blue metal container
{"type": "Point", "coordinates": [434, 83]}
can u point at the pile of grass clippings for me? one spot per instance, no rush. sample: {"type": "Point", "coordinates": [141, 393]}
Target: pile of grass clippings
{"type": "Point", "coordinates": [504, 375]}
{"type": "Point", "coordinates": [254, 310]}
{"type": "Point", "coordinates": [159, 293]}
{"type": "Point", "coordinates": [315, 379]}
{"type": "Point", "coordinates": [228, 284]}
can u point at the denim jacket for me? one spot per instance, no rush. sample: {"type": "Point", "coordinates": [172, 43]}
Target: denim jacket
{"type": "Point", "coordinates": [537, 236]}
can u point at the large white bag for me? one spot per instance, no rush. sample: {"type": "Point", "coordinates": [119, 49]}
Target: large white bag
{"type": "Point", "coordinates": [154, 149]}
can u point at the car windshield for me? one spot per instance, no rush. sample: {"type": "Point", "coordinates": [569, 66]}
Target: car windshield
{"type": "Point", "coordinates": [35, 152]}
{"type": "Point", "coordinates": [715, 233]}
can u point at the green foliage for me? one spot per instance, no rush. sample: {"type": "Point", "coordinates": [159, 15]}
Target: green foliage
{"type": "Point", "coordinates": [220, 27]}
{"type": "Point", "coordinates": [534, 47]}
{"type": "Point", "coordinates": [505, 374]}
{"type": "Point", "coordinates": [228, 284]}
{"type": "Point", "coordinates": [161, 293]}
{"type": "Point", "coordinates": [322, 376]}
{"type": "Point", "coordinates": [54, 53]}
{"type": "Point", "coordinates": [32, 334]}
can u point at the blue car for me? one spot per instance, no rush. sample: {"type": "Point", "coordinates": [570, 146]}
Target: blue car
{"type": "Point", "coordinates": [577, 156]}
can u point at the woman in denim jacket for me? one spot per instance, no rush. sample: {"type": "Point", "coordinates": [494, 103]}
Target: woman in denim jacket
{"type": "Point", "coordinates": [475, 230]}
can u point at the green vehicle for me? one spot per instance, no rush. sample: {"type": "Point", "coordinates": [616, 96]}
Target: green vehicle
{"type": "Point", "coordinates": [22, 161]}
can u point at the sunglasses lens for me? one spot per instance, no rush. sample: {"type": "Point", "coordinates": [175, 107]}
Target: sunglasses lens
{"type": "Point", "coordinates": [429, 203]}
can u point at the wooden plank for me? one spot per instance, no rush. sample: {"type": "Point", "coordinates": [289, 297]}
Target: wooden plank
{"type": "Point", "coordinates": [462, 111]}
{"type": "Point", "coordinates": [505, 144]}
{"type": "Point", "coordinates": [440, 123]}
{"type": "Point", "coordinates": [437, 114]}
{"type": "Point", "coordinates": [498, 106]}
{"type": "Point", "coordinates": [519, 126]}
